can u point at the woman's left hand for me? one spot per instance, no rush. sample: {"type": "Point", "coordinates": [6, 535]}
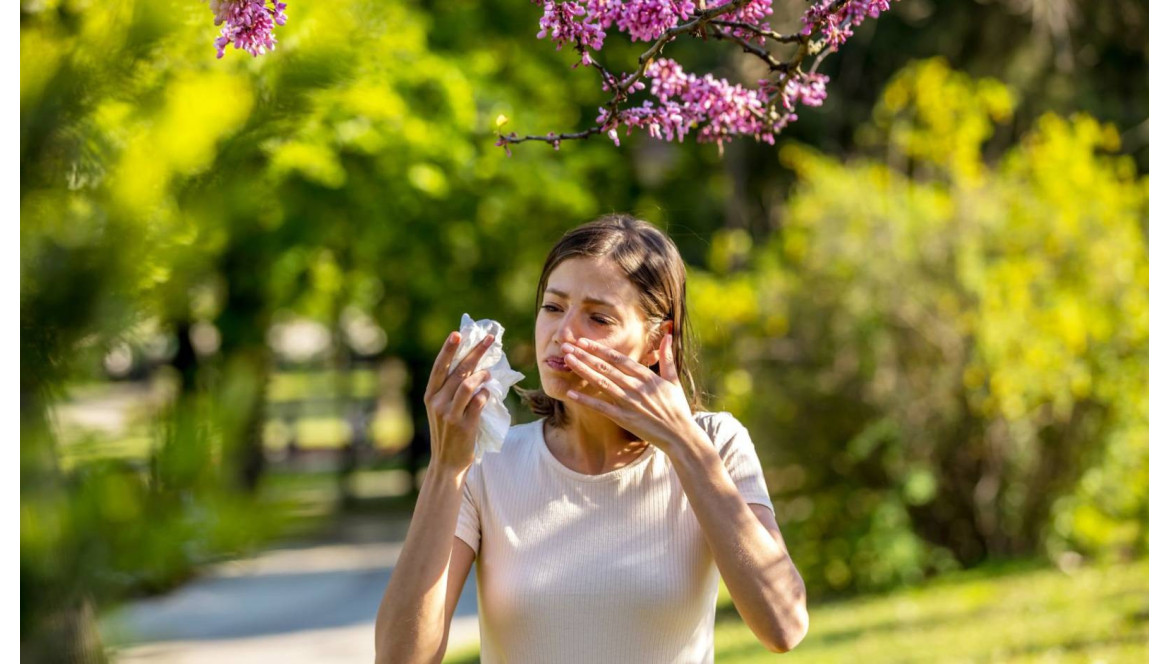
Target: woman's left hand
{"type": "Point", "coordinates": [650, 406]}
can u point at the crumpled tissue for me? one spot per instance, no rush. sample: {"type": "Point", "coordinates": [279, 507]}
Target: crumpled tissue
{"type": "Point", "coordinates": [495, 419]}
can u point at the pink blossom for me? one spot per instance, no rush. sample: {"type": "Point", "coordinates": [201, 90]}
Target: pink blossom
{"type": "Point", "coordinates": [809, 89]}
{"type": "Point", "coordinates": [678, 103]}
{"type": "Point", "coordinates": [715, 109]}
{"type": "Point", "coordinates": [646, 20]}
{"type": "Point", "coordinates": [247, 24]}
{"type": "Point", "coordinates": [836, 25]}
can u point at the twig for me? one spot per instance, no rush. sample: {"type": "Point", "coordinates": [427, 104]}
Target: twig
{"type": "Point", "coordinates": [758, 51]}
{"type": "Point", "coordinates": [760, 32]}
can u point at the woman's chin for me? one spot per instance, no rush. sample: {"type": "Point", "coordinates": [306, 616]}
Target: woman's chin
{"type": "Point", "coordinates": [556, 387]}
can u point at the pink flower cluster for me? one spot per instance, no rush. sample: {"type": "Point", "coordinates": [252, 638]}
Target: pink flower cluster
{"type": "Point", "coordinates": [247, 24]}
{"type": "Point", "coordinates": [680, 102]}
{"type": "Point", "coordinates": [752, 13]}
{"type": "Point", "coordinates": [839, 19]}
{"type": "Point", "coordinates": [646, 20]}
{"type": "Point", "coordinates": [585, 24]}
{"type": "Point", "coordinates": [716, 109]}
{"type": "Point", "coordinates": [560, 24]}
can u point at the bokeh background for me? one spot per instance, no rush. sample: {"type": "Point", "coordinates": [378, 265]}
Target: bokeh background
{"type": "Point", "coordinates": [928, 303]}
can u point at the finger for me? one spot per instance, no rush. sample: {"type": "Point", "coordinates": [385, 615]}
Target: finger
{"type": "Point", "coordinates": [439, 371]}
{"type": "Point", "coordinates": [603, 367]}
{"type": "Point", "coordinates": [465, 367]}
{"type": "Point", "coordinates": [619, 360]}
{"type": "Point", "coordinates": [478, 403]}
{"type": "Point", "coordinates": [466, 390]}
{"type": "Point", "coordinates": [591, 375]}
{"type": "Point", "coordinates": [667, 367]}
{"type": "Point", "coordinates": [605, 408]}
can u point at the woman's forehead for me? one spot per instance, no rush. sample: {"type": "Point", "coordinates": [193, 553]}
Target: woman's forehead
{"type": "Point", "coordinates": [592, 280]}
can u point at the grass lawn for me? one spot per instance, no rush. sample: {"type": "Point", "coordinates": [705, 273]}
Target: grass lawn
{"type": "Point", "coordinates": [1006, 613]}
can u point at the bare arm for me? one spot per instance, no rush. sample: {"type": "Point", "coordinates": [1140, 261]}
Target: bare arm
{"type": "Point", "coordinates": [414, 619]}
{"type": "Point", "coordinates": [415, 614]}
{"type": "Point", "coordinates": [751, 556]}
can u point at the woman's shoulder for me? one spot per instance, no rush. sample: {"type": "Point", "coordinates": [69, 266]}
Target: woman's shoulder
{"type": "Point", "coordinates": [717, 421]}
{"type": "Point", "coordinates": [722, 427]}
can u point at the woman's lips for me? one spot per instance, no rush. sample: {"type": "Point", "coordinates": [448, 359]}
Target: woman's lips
{"type": "Point", "coordinates": [556, 364]}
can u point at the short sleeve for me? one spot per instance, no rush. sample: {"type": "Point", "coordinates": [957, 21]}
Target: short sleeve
{"type": "Point", "coordinates": [739, 456]}
{"type": "Point", "coordinates": [467, 526]}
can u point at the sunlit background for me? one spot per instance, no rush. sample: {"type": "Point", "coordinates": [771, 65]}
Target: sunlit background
{"type": "Point", "coordinates": [928, 303]}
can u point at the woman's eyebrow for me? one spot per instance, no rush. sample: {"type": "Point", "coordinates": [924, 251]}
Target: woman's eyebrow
{"type": "Point", "coordinates": [587, 300]}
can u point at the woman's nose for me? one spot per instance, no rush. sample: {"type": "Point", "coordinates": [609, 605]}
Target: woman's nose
{"type": "Point", "coordinates": [566, 331]}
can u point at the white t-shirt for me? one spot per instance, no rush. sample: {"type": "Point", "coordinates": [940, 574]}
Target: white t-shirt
{"type": "Point", "coordinates": [595, 568]}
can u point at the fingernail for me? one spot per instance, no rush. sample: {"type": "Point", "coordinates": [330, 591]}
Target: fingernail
{"type": "Point", "coordinates": [487, 341]}
{"type": "Point", "coordinates": [451, 337]}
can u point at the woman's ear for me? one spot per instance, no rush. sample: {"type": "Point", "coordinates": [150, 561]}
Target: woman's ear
{"type": "Point", "coordinates": [653, 354]}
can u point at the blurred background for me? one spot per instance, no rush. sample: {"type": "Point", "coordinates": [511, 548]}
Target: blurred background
{"type": "Point", "coordinates": [928, 303]}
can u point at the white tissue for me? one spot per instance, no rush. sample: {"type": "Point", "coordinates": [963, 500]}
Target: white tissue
{"type": "Point", "coordinates": [495, 419]}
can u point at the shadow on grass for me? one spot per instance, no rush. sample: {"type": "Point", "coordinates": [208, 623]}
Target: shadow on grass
{"type": "Point", "coordinates": [1070, 647]}
{"type": "Point", "coordinates": [823, 639]}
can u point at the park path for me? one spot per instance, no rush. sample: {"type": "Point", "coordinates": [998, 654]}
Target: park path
{"type": "Point", "coordinates": [307, 602]}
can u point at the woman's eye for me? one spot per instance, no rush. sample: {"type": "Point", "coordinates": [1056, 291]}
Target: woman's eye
{"type": "Point", "coordinates": [597, 319]}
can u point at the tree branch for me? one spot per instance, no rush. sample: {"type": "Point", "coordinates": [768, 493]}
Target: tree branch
{"type": "Point", "coordinates": [707, 22]}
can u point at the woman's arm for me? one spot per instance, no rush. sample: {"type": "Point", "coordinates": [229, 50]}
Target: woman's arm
{"type": "Point", "coordinates": [752, 558]}
{"type": "Point", "coordinates": [412, 620]}
{"type": "Point", "coordinates": [414, 616]}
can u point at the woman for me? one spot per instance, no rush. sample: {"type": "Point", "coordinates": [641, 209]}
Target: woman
{"type": "Point", "coordinates": [603, 527]}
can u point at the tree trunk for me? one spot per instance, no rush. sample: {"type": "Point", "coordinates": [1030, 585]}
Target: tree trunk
{"type": "Point", "coordinates": [68, 636]}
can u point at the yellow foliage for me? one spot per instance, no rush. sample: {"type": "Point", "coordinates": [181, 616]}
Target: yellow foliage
{"type": "Point", "coordinates": [179, 140]}
{"type": "Point", "coordinates": [1023, 284]}
{"type": "Point", "coordinates": [40, 57]}
{"type": "Point", "coordinates": [195, 119]}
{"type": "Point", "coordinates": [313, 161]}
{"type": "Point", "coordinates": [942, 117]}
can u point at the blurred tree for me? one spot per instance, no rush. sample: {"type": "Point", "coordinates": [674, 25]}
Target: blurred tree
{"type": "Point", "coordinates": [954, 352]}
{"type": "Point", "coordinates": [352, 169]}
{"type": "Point", "coordinates": [1062, 56]}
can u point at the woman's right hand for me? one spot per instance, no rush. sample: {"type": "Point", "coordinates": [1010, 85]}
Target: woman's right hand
{"type": "Point", "coordinates": [452, 412]}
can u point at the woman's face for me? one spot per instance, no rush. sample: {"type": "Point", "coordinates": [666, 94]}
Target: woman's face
{"type": "Point", "coordinates": [587, 298]}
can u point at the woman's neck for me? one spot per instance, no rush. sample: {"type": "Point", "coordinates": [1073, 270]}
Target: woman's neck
{"type": "Point", "coordinates": [592, 443]}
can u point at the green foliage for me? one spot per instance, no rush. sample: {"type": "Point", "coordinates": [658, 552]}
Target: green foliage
{"type": "Point", "coordinates": [349, 173]}
{"type": "Point", "coordinates": [953, 354]}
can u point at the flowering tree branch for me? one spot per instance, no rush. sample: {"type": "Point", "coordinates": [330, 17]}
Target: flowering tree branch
{"type": "Point", "coordinates": [678, 102]}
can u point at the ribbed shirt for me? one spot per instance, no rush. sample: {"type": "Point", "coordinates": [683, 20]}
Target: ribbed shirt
{"type": "Point", "coordinates": [595, 568]}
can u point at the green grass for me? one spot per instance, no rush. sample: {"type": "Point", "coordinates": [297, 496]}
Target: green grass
{"type": "Point", "coordinates": [1007, 613]}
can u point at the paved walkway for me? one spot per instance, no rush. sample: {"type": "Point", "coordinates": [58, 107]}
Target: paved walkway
{"type": "Point", "coordinates": [303, 603]}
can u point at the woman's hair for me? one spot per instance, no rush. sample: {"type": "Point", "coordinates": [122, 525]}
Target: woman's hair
{"type": "Point", "coordinates": [652, 263]}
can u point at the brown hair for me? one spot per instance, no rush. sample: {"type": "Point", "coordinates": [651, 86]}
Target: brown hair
{"type": "Point", "coordinates": [652, 263]}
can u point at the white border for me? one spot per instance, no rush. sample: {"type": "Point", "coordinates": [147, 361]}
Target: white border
{"type": "Point", "coordinates": [1158, 354]}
